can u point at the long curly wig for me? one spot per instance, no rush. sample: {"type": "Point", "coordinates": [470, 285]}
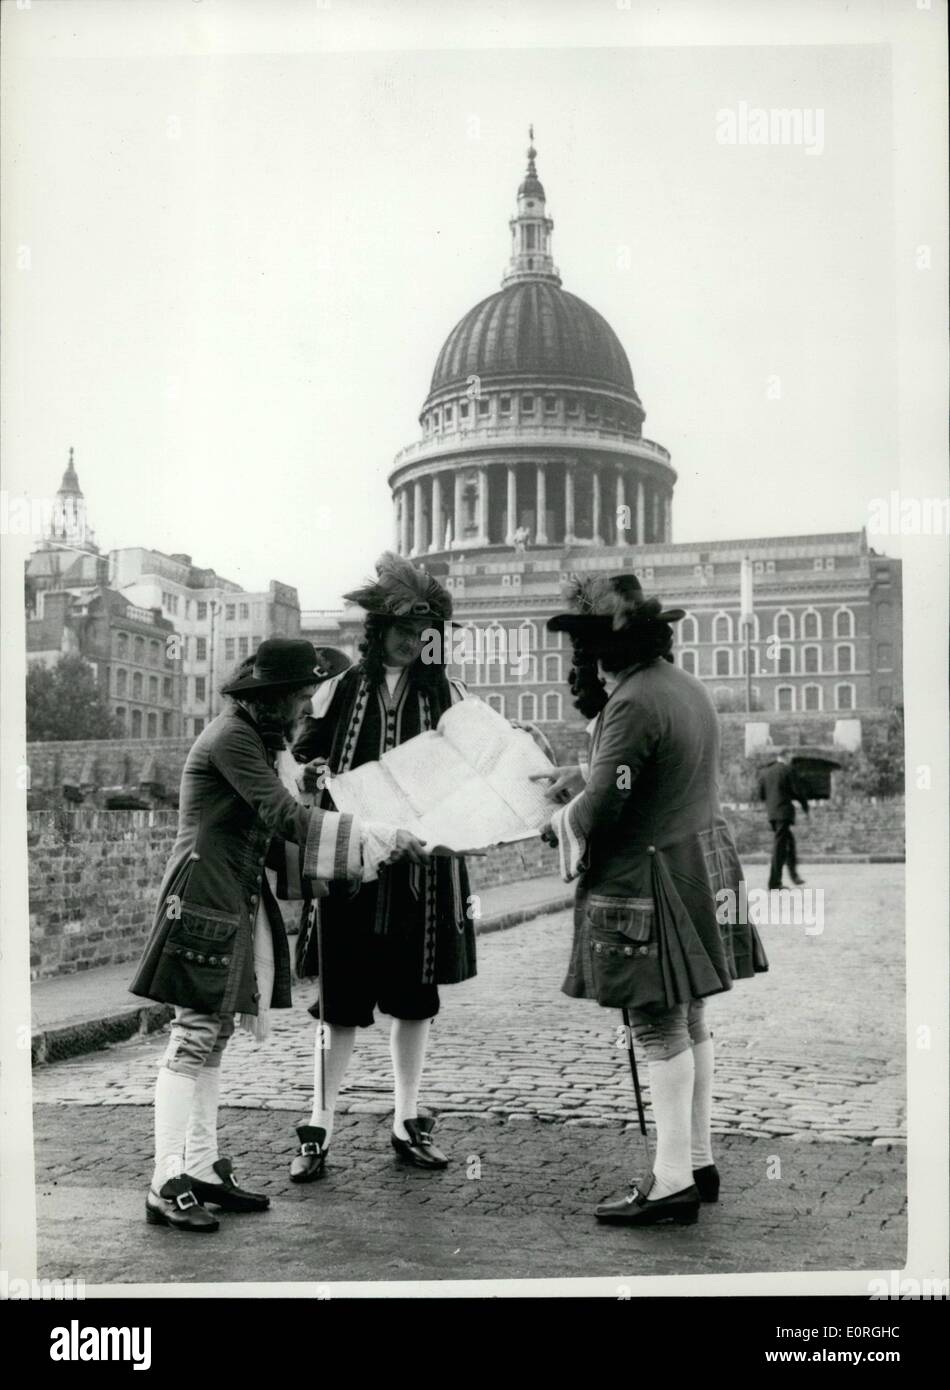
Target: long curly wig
{"type": "Point", "coordinates": [423, 675]}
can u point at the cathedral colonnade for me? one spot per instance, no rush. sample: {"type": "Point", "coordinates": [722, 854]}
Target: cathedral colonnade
{"type": "Point", "coordinates": [551, 502]}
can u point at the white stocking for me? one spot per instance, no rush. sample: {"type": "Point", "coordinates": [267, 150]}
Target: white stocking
{"type": "Point", "coordinates": [201, 1138]}
{"type": "Point", "coordinates": [701, 1138]}
{"type": "Point", "coordinates": [671, 1092]}
{"type": "Point", "coordinates": [174, 1094]}
{"type": "Point", "coordinates": [331, 1056]}
{"type": "Point", "coordinates": [408, 1045]}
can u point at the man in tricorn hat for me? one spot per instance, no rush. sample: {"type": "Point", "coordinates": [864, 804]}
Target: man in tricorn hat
{"type": "Point", "coordinates": [646, 836]}
{"type": "Point", "coordinates": [392, 943]}
{"type": "Point", "coordinates": [218, 946]}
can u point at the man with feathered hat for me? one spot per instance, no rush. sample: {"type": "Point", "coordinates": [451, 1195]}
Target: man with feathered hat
{"type": "Point", "coordinates": [393, 942]}
{"type": "Point", "coordinates": [645, 837]}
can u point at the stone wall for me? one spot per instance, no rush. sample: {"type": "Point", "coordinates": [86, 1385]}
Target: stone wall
{"type": "Point", "coordinates": [94, 875]}
{"type": "Point", "coordinates": [846, 828]}
{"type": "Point", "coordinates": [94, 878]}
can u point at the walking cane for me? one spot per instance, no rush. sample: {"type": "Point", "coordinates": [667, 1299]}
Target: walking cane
{"type": "Point", "coordinates": [628, 1031]}
{"type": "Point", "coordinates": [320, 992]}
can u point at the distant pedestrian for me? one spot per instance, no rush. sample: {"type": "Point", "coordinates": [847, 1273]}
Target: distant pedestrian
{"type": "Point", "coordinates": [779, 788]}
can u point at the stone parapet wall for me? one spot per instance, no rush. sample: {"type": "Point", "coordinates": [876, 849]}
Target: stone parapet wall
{"type": "Point", "coordinates": [94, 875]}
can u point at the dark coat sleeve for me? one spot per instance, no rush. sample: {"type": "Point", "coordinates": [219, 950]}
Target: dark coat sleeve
{"type": "Point", "coordinates": [314, 739]}
{"type": "Point", "coordinates": [628, 736]}
{"type": "Point", "coordinates": [239, 757]}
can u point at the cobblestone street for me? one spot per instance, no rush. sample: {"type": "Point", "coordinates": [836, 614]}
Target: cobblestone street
{"type": "Point", "coordinates": [534, 1098]}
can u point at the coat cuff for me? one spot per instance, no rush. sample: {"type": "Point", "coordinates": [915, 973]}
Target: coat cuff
{"type": "Point", "coordinates": [571, 844]}
{"type": "Point", "coordinates": [332, 850]}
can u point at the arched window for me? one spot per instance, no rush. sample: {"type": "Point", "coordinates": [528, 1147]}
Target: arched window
{"type": "Point", "coordinates": [136, 687]}
{"type": "Point", "coordinates": [883, 612]}
{"type": "Point", "coordinates": [785, 661]}
{"type": "Point", "coordinates": [136, 723]}
{"type": "Point", "coordinates": [139, 648]}
{"type": "Point", "coordinates": [154, 652]}
{"type": "Point", "coordinates": [885, 656]}
{"type": "Point", "coordinates": [121, 681]}
{"type": "Point", "coordinates": [497, 702]}
{"type": "Point", "coordinates": [687, 630]}
{"type": "Point", "coordinates": [811, 623]}
{"type": "Point", "coordinates": [552, 669]}
{"type": "Point", "coordinates": [844, 657]}
{"type": "Point", "coordinates": [552, 707]}
{"type": "Point", "coordinates": [844, 623]}
{"type": "Point", "coordinates": [722, 628]}
{"type": "Point", "coordinates": [528, 707]}
{"type": "Point", "coordinates": [120, 715]}
{"type": "Point", "coordinates": [528, 636]}
{"type": "Point", "coordinates": [153, 725]}
{"type": "Point", "coordinates": [811, 657]}
{"type": "Point", "coordinates": [812, 697]}
{"type": "Point", "coordinates": [688, 662]}
{"type": "Point", "coordinates": [722, 662]}
{"type": "Point", "coordinates": [784, 624]}
{"type": "Point", "coordinates": [527, 669]}
{"type": "Point", "coordinates": [753, 657]}
{"type": "Point", "coordinates": [844, 695]}
{"type": "Point", "coordinates": [153, 689]}
{"type": "Point", "coordinates": [785, 697]}
{"type": "Point", "coordinates": [494, 643]}
{"type": "Point", "coordinates": [553, 639]}
{"type": "Point", "coordinates": [122, 644]}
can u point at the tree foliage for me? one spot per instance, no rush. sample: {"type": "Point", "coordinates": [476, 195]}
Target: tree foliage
{"type": "Point", "coordinates": [64, 702]}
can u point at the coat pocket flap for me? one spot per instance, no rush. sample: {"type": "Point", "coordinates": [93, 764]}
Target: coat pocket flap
{"type": "Point", "coordinates": [631, 918]}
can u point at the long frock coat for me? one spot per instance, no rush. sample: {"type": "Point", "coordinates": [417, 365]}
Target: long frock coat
{"type": "Point", "coordinates": [651, 924]}
{"type": "Point", "coordinates": [234, 817]}
{"type": "Point", "coordinates": [427, 908]}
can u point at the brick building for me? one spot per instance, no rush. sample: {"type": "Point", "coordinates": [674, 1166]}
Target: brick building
{"type": "Point", "coordinates": [128, 647]}
{"type": "Point", "coordinates": [218, 621]}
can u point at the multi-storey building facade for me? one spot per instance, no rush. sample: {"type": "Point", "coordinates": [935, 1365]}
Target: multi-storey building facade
{"type": "Point", "coordinates": [131, 649]}
{"type": "Point", "coordinates": [532, 465]}
{"type": "Point", "coordinates": [219, 623]}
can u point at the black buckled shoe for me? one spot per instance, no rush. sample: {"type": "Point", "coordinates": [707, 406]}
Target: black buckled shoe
{"type": "Point", "coordinates": [176, 1205]}
{"type": "Point", "coordinates": [419, 1149]}
{"type": "Point", "coordinates": [707, 1182]}
{"type": "Point", "coordinates": [310, 1161]}
{"type": "Point", "coordinates": [635, 1210]}
{"type": "Point", "coordinates": [226, 1193]}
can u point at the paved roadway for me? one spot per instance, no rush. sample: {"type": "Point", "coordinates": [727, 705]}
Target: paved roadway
{"type": "Point", "coordinates": [533, 1094]}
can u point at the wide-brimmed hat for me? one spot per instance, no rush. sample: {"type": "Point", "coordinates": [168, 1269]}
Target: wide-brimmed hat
{"type": "Point", "coordinates": [401, 590]}
{"type": "Point", "coordinates": [330, 662]}
{"type": "Point", "coordinates": [605, 605]}
{"type": "Point", "coordinates": [280, 661]}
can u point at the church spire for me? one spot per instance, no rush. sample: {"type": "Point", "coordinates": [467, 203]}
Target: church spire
{"type": "Point", "coordinates": [531, 229]}
{"type": "Point", "coordinates": [67, 522]}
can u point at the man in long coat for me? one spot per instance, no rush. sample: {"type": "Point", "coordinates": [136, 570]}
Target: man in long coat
{"type": "Point", "coordinates": [779, 788]}
{"type": "Point", "coordinates": [656, 864]}
{"type": "Point", "coordinates": [395, 941]}
{"type": "Point", "coordinates": [218, 945]}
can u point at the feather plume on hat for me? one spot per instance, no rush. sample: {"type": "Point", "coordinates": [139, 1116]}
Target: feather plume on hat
{"type": "Point", "coordinates": [401, 590]}
{"type": "Point", "coordinates": [609, 602]}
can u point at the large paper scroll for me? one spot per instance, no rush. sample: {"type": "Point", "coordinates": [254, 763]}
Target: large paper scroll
{"type": "Point", "coordinates": [463, 786]}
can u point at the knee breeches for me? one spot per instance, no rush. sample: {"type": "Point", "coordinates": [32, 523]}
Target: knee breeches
{"type": "Point", "coordinates": [663, 1032]}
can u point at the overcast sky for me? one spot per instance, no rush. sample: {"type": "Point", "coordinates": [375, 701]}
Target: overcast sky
{"type": "Point", "coordinates": [242, 268]}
